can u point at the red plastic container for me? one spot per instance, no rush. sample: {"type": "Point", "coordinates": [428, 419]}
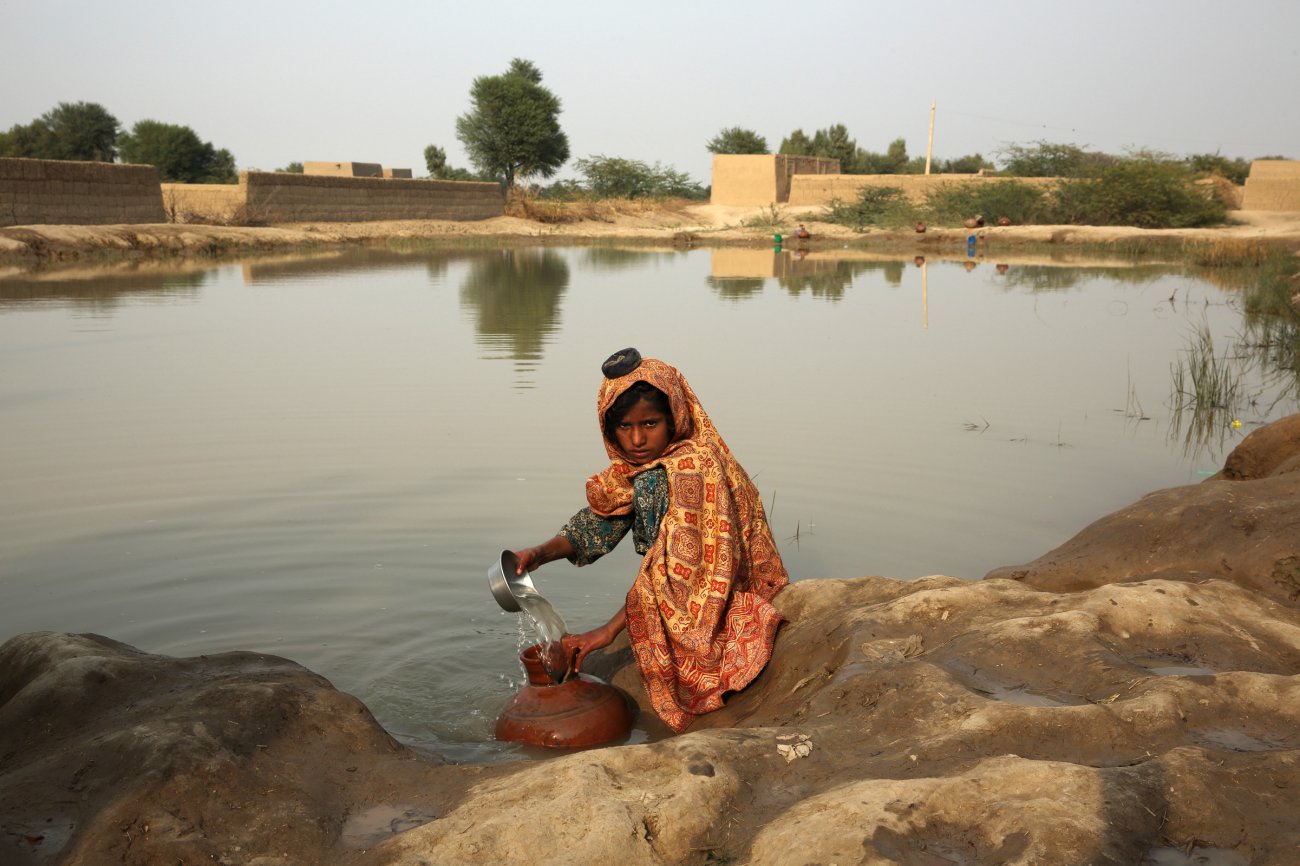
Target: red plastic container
{"type": "Point", "coordinates": [580, 711]}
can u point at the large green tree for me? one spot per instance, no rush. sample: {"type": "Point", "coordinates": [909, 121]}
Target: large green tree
{"type": "Point", "coordinates": [735, 139]}
{"type": "Point", "coordinates": [70, 130]}
{"type": "Point", "coordinates": [798, 144]}
{"type": "Point", "coordinates": [834, 142]}
{"type": "Point", "coordinates": [512, 130]}
{"type": "Point", "coordinates": [178, 153]}
{"type": "Point", "coordinates": [892, 161]}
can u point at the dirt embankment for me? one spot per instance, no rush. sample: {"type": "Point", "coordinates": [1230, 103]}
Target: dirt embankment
{"type": "Point", "coordinates": [679, 226]}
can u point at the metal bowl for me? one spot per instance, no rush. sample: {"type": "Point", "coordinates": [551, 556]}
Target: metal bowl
{"type": "Point", "coordinates": [507, 587]}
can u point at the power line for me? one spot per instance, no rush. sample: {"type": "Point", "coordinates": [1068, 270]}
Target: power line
{"type": "Point", "coordinates": [1013, 122]}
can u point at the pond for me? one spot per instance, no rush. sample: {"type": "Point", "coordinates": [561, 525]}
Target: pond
{"type": "Point", "coordinates": [318, 457]}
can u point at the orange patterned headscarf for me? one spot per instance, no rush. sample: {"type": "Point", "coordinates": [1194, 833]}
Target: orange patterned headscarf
{"type": "Point", "coordinates": [699, 615]}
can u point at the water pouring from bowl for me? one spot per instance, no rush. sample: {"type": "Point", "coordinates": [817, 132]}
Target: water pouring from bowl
{"type": "Point", "coordinates": [515, 593]}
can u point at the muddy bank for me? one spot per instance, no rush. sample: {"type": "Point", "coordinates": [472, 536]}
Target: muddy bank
{"type": "Point", "coordinates": [23, 247]}
{"type": "Point", "coordinates": [1133, 697]}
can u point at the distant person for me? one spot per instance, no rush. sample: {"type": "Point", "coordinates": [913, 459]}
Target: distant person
{"type": "Point", "coordinates": [802, 233]}
{"type": "Point", "coordinates": [699, 615]}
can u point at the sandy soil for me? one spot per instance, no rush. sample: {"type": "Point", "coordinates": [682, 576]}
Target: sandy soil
{"type": "Point", "coordinates": [703, 224]}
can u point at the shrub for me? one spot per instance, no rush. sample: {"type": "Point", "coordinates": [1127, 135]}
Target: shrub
{"type": "Point", "coordinates": [1142, 192]}
{"type": "Point", "coordinates": [882, 206]}
{"type": "Point", "coordinates": [1022, 203]}
{"type": "Point", "coordinates": [1234, 170]}
{"type": "Point", "coordinates": [1049, 159]}
{"type": "Point", "coordinates": [616, 177]}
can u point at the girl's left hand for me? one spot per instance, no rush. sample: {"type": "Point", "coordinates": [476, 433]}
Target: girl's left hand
{"type": "Point", "coordinates": [578, 645]}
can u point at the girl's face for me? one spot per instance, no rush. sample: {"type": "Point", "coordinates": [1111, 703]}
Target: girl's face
{"type": "Point", "coordinates": [642, 434]}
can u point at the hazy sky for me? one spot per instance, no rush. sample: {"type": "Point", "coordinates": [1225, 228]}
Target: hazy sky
{"type": "Point", "coordinates": [278, 81]}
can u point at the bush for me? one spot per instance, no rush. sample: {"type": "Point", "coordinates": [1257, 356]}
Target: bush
{"type": "Point", "coordinates": [1141, 192]}
{"type": "Point", "coordinates": [616, 177]}
{"type": "Point", "coordinates": [1234, 170]}
{"type": "Point", "coordinates": [953, 203]}
{"type": "Point", "coordinates": [1049, 159]}
{"type": "Point", "coordinates": [882, 206]}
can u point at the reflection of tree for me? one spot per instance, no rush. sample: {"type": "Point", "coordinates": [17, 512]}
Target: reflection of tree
{"type": "Point", "coordinates": [1048, 278]}
{"type": "Point", "coordinates": [614, 259]}
{"type": "Point", "coordinates": [736, 288]}
{"type": "Point", "coordinates": [828, 280]}
{"type": "Point", "coordinates": [516, 295]}
{"type": "Point", "coordinates": [828, 286]}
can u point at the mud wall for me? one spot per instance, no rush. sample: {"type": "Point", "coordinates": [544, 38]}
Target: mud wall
{"type": "Point", "coordinates": [809, 189]}
{"type": "Point", "coordinates": [1273, 184]}
{"type": "Point", "coordinates": [203, 202]}
{"type": "Point", "coordinates": [63, 192]}
{"type": "Point", "coordinates": [762, 179]}
{"type": "Point", "coordinates": [273, 197]}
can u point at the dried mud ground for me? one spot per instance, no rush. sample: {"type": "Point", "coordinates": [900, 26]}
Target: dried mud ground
{"type": "Point", "coordinates": [1132, 697]}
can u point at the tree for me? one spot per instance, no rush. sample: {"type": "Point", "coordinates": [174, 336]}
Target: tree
{"type": "Point", "coordinates": [798, 144]}
{"type": "Point", "coordinates": [735, 139]}
{"type": "Point", "coordinates": [292, 168]}
{"type": "Point", "coordinates": [71, 130]}
{"type": "Point", "coordinates": [1235, 170]}
{"type": "Point", "coordinates": [1047, 159]}
{"type": "Point", "coordinates": [833, 142]}
{"type": "Point", "coordinates": [177, 151]}
{"type": "Point", "coordinates": [614, 177]}
{"type": "Point", "coordinates": [892, 161]}
{"type": "Point", "coordinates": [970, 164]}
{"type": "Point", "coordinates": [512, 130]}
{"type": "Point", "coordinates": [435, 160]}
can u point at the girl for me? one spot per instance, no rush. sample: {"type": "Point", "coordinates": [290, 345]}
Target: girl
{"type": "Point", "coordinates": [699, 615]}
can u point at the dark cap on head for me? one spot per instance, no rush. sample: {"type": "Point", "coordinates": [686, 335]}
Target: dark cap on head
{"type": "Point", "coordinates": [621, 363]}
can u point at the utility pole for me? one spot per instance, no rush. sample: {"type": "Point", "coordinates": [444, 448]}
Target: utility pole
{"type": "Point", "coordinates": [929, 146]}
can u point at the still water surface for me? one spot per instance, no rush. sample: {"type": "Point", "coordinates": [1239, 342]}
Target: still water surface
{"type": "Point", "coordinates": [320, 457]}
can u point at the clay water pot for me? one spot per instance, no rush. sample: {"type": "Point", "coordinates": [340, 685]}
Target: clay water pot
{"type": "Point", "coordinates": [580, 711]}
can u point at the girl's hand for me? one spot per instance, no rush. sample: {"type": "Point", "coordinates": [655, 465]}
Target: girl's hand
{"type": "Point", "coordinates": [550, 550]}
{"type": "Point", "coordinates": [578, 645]}
{"type": "Point", "coordinates": [530, 558]}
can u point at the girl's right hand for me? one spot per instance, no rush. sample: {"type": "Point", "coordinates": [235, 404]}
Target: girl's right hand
{"type": "Point", "coordinates": [530, 558]}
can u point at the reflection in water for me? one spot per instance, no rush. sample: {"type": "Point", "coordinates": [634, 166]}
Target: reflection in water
{"type": "Point", "coordinates": [1052, 278]}
{"type": "Point", "coordinates": [329, 263]}
{"type": "Point", "coordinates": [612, 259]}
{"type": "Point", "coordinates": [93, 290]}
{"type": "Point", "coordinates": [515, 294]}
{"type": "Point", "coordinates": [735, 288]}
{"type": "Point", "coordinates": [738, 274]}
